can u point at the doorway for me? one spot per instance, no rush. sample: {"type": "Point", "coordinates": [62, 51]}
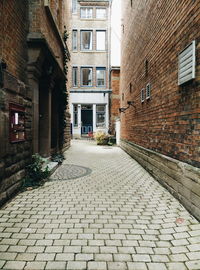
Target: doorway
{"type": "Point", "coordinates": [86, 119]}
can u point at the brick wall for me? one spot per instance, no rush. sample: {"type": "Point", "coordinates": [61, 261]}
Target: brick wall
{"type": "Point", "coordinates": [114, 98]}
{"type": "Point", "coordinates": [40, 22]}
{"type": "Point", "coordinates": [163, 132]}
{"type": "Point", "coordinates": [168, 123]}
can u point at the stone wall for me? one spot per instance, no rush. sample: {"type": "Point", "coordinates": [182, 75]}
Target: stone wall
{"type": "Point", "coordinates": [181, 179]}
{"type": "Point", "coordinates": [13, 156]}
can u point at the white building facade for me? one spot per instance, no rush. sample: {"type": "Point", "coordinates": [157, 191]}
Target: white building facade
{"type": "Point", "coordinates": [89, 74]}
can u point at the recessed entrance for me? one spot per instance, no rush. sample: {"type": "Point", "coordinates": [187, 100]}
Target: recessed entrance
{"type": "Point", "coordinates": [86, 119]}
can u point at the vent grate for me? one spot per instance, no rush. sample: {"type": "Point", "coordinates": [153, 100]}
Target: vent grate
{"type": "Point", "coordinates": [186, 64]}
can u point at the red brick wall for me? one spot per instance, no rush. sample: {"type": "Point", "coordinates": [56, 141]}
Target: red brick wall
{"type": "Point", "coordinates": [157, 31]}
{"type": "Point", "coordinates": [115, 98]}
{"type": "Point", "coordinates": [13, 33]}
{"type": "Point", "coordinates": [40, 23]}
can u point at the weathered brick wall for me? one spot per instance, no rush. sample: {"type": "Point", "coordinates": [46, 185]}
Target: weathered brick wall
{"type": "Point", "coordinates": [13, 32]}
{"type": "Point", "coordinates": [114, 98]}
{"type": "Point", "coordinates": [162, 133]}
{"type": "Point", "coordinates": [157, 31]}
{"type": "Point", "coordinates": [13, 50]}
{"type": "Point", "coordinates": [40, 22]}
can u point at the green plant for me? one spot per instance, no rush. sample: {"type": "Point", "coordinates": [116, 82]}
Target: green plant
{"type": "Point", "coordinates": [58, 158]}
{"type": "Point", "coordinates": [101, 137]}
{"type": "Point", "coordinates": [36, 171]}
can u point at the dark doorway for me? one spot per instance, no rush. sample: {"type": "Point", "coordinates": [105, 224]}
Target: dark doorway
{"type": "Point", "coordinates": [86, 119]}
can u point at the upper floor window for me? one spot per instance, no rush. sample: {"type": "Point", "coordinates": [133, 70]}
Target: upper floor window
{"type": "Point", "coordinates": [74, 40]}
{"type": "Point", "coordinates": [74, 76]}
{"type": "Point", "coordinates": [100, 40]}
{"type": "Point", "coordinates": [86, 40]}
{"type": "Point", "coordinates": [74, 6]}
{"type": "Point", "coordinates": [86, 76]}
{"type": "Point", "coordinates": [86, 13]}
{"type": "Point", "coordinates": [100, 13]}
{"type": "Point", "coordinates": [101, 75]}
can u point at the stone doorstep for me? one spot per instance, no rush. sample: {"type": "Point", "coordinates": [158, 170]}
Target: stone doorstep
{"type": "Point", "coordinates": [51, 165]}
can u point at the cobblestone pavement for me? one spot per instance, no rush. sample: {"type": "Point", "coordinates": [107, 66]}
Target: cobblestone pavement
{"type": "Point", "coordinates": [115, 217]}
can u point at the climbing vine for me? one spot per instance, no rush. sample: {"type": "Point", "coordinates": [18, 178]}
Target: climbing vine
{"type": "Point", "coordinates": [64, 98]}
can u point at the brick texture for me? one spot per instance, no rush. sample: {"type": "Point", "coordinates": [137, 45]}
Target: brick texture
{"type": "Point", "coordinates": [114, 98]}
{"type": "Point", "coordinates": [169, 122]}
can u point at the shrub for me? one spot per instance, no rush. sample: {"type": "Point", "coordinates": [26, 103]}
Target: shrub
{"type": "Point", "coordinates": [36, 171]}
{"type": "Point", "coordinates": [58, 158]}
{"type": "Point", "coordinates": [101, 137]}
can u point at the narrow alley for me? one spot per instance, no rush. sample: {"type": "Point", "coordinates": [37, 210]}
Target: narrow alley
{"type": "Point", "coordinates": [100, 210]}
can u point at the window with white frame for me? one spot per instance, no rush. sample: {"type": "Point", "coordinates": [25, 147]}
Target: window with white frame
{"type": "Point", "coordinates": [86, 40]}
{"type": "Point", "coordinates": [86, 13]}
{"type": "Point", "coordinates": [86, 76]}
{"type": "Point", "coordinates": [74, 6]}
{"type": "Point", "coordinates": [75, 76]}
{"type": "Point", "coordinates": [74, 40]}
{"type": "Point", "coordinates": [101, 76]}
{"type": "Point", "coordinates": [100, 115]}
{"type": "Point", "coordinates": [100, 40]}
{"type": "Point", "coordinates": [75, 115]}
{"type": "Point", "coordinates": [101, 13]}
{"type": "Point", "coordinates": [186, 64]}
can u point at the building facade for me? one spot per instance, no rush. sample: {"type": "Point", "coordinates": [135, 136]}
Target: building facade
{"type": "Point", "coordinates": [89, 30]}
{"type": "Point", "coordinates": [33, 112]}
{"type": "Point", "coordinates": [160, 74]}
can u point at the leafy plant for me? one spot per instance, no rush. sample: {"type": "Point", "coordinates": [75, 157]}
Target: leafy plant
{"type": "Point", "coordinates": [36, 171]}
{"type": "Point", "coordinates": [58, 158]}
{"type": "Point", "coordinates": [101, 137]}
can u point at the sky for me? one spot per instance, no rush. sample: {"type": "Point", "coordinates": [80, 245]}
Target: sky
{"type": "Point", "coordinates": [115, 32]}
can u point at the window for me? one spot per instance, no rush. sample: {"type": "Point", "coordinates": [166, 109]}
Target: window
{"type": "Point", "coordinates": [142, 95]}
{"type": "Point", "coordinates": [86, 13]}
{"type": "Point", "coordinates": [74, 40]}
{"type": "Point", "coordinates": [100, 13]}
{"type": "Point", "coordinates": [148, 91]}
{"type": "Point", "coordinates": [74, 6]}
{"type": "Point", "coordinates": [100, 75]}
{"type": "Point", "coordinates": [100, 115]}
{"type": "Point", "coordinates": [86, 76]}
{"type": "Point", "coordinates": [75, 113]}
{"type": "Point", "coordinates": [74, 76]}
{"type": "Point", "coordinates": [101, 40]}
{"type": "Point", "coordinates": [86, 40]}
{"type": "Point", "coordinates": [186, 64]}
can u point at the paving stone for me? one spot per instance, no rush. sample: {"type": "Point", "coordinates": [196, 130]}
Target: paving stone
{"type": "Point", "coordinates": [136, 266]}
{"type": "Point", "coordinates": [76, 266]}
{"type": "Point", "coordinates": [122, 257]}
{"type": "Point", "coordinates": [117, 266]}
{"type": "Point", "coordinates": [156, 266]}
{"type": "Point", "coordinates": [193, 265]}
{"type": "Point", "coordinates": [25, 257]}
{"type": "Point", "coordinates": [45, 257]}
{"type": "Point", "coordinates": [97, 266]}
{"type": "Point", "coordinates": [141, 258]}
{"type": "Point", "coordinates": [35, 265]}
{"type": "Point", "coordinates": [65, 257]}
{"type": "Point", "coordinates": [10, 265]}
{"type": "Point", "coordinates": [176, 266]}
{"type": "Point", "coordinates": [8, 256]}
{"type": "Point", "coordinates": [84, 257]}
{"type": "Point", "coordinates": [56, 265]}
